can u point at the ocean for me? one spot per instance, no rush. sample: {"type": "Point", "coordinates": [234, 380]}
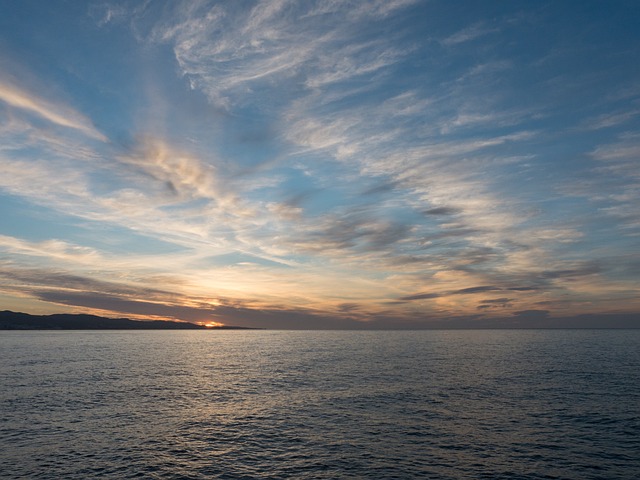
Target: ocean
{"type": "Point", "coordinates": [468, 404]}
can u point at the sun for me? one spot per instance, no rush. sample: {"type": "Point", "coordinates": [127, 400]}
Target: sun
{"type": "Point", "coordinates": [211, 324]}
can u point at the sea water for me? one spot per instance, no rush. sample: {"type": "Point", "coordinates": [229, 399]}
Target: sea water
{"type": "Point", "coordinates": [328, 405]}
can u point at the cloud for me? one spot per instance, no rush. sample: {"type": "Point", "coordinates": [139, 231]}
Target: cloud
{"type": "Point", "coordinates": [52, 248]}
{"type": "Point", "coordinates": [353, 61]}
{"type": "Point", "coordinates": [470, 290]}
{"type": "Point", "coordinates": [443, 210]}
{"type": "Point", "coordinates": [531, 315]}
{"type": "Point", "coordinates": [107, 13]}
{"type": "Point", "coordinates": [183, 174]}
{"type": "Point", "coordinates": [156, 196]}
{"type": "Point", "coordinates": [589, 269]}
{"type": "Point", "coordinates": [613, 182]}
{"type": "Point", "coordinates": [501, 302]}
{"type": "Point", "coordinates": [467, 34]}
{"type": "Point", "coordinates": [112, 303]}
{"type": "Point", "coordinates": [462, 291]}
{"type": "Point", "coordinates": [284, 318]}
{"type": "Point", "coordinates": [626, 149]}
{"type": "Point", "coordinates": [223, 51]}
{"type": "Point", "coordinates": [55, 113]}
{"type": "Point", "coordinates": [39, 279]}
{"type": "Point", "coordinates": [421, 296]}
{"type": "Point", "coordinates": [609, 120]}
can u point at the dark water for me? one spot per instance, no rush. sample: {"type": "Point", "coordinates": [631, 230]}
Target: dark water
{"type": "Point", "coordinates": [262, 404]}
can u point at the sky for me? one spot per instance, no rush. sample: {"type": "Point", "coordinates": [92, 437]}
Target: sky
{"type": "Point", "coordinates": [322, 164]}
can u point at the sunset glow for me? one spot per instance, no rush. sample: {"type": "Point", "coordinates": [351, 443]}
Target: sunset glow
{"type": "Point", "coordinates": [212, 324]}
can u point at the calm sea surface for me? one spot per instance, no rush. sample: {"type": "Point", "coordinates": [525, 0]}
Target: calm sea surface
{"type": "Point", "coordinates": [274, 404]}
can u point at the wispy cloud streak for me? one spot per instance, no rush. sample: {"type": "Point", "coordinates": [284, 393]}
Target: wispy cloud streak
{"type": "Point", "coordinates": [60, 115]}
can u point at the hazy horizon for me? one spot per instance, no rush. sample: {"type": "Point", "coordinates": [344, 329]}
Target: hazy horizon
{"type": "Point", "coordinates": [322, 165]}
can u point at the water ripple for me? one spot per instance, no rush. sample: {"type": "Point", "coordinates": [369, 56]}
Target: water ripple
{"type": "Point", "coordinates": [320, 405]}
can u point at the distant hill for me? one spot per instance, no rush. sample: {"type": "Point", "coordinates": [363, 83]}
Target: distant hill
{"type": "Point", "coordinates": [63, 321]}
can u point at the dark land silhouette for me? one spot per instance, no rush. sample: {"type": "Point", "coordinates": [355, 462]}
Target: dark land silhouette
{"type": "Point", "coordinates": [63, 321]}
